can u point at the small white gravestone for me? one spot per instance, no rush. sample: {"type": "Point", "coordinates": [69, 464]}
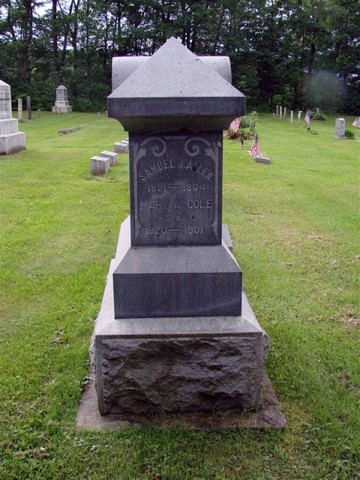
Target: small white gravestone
{"type": "Point", "coordinates": [121, 147]}
{"type": "Point", "coordinates": [299, 117]}
{"type": "Point", "coordinates": [277, 111]}
{"type": "Point", "coordinates": [20, 109]}
{"type": "Point", "coordinates": [99, 165]}
{"type": "Point", "coordinates": [291, 116]}
{"type": "Point", "coordinates": [61, 104]}
{"type": "Point", "coordinates": [340, 128]}
{"type": "Point", "coordinates": [112, 156]}
{"type": "Point", "coordinates": [280, 112]}
{"type": "Point", "coordinates": [11, 140]}
{"type": "Point", "coordinates": [285, 110]}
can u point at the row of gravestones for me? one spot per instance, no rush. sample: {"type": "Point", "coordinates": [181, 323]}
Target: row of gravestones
{"type": "Point", "coordinates": [11, 140]}
{"type": "Point", "coordinates": [281, 114]}
{"type": "Point", "coordinates": [100, 164]}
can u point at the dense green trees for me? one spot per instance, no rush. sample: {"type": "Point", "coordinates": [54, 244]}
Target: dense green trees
{"type": "Point", "coordinates": [299, 53]}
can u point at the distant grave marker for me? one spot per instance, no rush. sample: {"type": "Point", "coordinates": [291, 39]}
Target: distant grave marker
{"type": "Point", "coordinates": [11, 140]}
{"type": "Point", "coordinates": [20, 109]}
{"type": "Point", "coordinates": [62, 103]}
{"type": "Point", "coordinates": [340, 129]}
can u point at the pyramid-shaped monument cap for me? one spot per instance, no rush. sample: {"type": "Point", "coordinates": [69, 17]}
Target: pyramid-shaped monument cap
{"type": "Point", "coordinates": [173, 90]}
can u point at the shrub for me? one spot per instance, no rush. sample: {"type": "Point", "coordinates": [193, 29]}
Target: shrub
{"type": "Point", "coordinates": [349, 134]}
{"type": "Point", "coordinates": [247, 129]}
{"type": "Point", "coordinates": [319, 116]}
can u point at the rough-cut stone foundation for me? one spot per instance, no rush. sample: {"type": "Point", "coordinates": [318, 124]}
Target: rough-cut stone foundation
{"type": "Point", "coordinates": [179, 364]}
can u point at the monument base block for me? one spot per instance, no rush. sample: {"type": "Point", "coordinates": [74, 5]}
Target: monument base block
{"type": "Point", "coordinates": [177, 364]}
{"type": "Point", "coordinates": [182, 281]}
{"type": "Point", "coordinates": [12, 142]}
{"type": "Point", "coordinates": [62, 107]}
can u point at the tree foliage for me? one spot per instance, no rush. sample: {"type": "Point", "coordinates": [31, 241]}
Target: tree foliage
{"type": "Point", "coordinates": [298, 53]}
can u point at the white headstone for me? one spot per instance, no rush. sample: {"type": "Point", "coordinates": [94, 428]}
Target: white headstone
{"type": "Point", "coordinates": [5, 101]}
{"type": "Point", "coordinates": [291, 116]}
{"type": "Point", "coordinates": [284, 113]}
{"type": "Point", "coordinates": [20, 109]}
{"type": "Point", "coordinates": [299, 117]}
{"type": "Point", "coordinates": [280, 112]}
{"type": "Point", "coordinates": [61, 103]}
{"type": "Point", "coordinates": [61, 94]}
{"type": "Point", "coordinates": [277, 110]}
{"type": "Point", "coordinates": [11, 140]}
{"type": "Point", "coordinates": [99, 165]}
{"type": "Point", "coordinates": [340, 128]}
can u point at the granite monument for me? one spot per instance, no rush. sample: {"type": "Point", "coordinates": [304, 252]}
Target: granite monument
{"type": "Point", "coordinates": [176, 332]}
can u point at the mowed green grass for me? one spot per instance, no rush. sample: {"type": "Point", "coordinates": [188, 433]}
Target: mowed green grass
{"type": "Point", "coordinates": [295, 229]}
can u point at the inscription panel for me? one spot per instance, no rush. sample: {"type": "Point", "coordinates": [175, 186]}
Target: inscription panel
{"type": "Point", "coordinates": [5, 102]}
{"type": "Point", "coordinates": [176, 183]}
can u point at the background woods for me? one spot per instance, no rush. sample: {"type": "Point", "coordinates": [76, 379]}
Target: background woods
{"type": "Point", "coordinates": [298, 53]}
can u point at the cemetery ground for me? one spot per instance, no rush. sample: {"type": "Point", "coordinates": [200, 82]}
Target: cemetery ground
{"type": "Point", "coordinates": [294, 226]}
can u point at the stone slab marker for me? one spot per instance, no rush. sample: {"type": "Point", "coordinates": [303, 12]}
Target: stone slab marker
{"type": "Point", "coordinates": [99, 165]}
{"type": "Point", "coordinates": [20, 109]}
{"type": "Point", "coordinates": [11, 140]}
{"type": "Point", "coordinates": [176, 332]}
{"type": "Point", "coordinates": [340, 128]}
{"type": "Point", "coordinates": [121, 147]}
{"type": "Point", "coordinates": [62, 104]}
{"type": "Point", "coordinates": [28, 107]}
{"type": "Point", "coordinates": [291, 116]}
{"type": "Point", "coordinates": [112, 156]}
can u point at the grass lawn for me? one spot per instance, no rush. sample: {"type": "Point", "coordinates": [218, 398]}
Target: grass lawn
{"type": "Point", "coordinates": [295, 229]}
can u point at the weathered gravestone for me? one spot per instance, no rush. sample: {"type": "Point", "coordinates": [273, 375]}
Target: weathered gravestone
{"type": "Point", "coordinates": [20, 109]}
{"type": "Point", "coordinates": [11, 140]}
{"type": "Point", "coordinates": [61, 103]}
{"type": "Point", "coordinates": [340, 128]}
{"type": "Point", "coordinates": [176, 332]}
{"type": "Point", "coordinates": [121, 147]}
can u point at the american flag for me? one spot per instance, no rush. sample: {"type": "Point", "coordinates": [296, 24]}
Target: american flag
{"type": "Point", "coordinates": [307, 118]}
{"type": "Point", "coordinates": [235, 124]}
{"type": "Point", "coordinates": [255, 148]}
{"type": "Point", "coordinates": [356, 122]}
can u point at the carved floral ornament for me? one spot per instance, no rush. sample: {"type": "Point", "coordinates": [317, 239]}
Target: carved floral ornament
{"type": "Point", "coordinates": [192, 147]}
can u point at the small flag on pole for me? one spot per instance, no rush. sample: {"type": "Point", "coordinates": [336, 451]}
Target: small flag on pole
{"type": "Point", "coordinates": [356, 122]}
{"type": "Point", "coordinates": [255, 148]}
{"type": "Point", "coordinates": [235, 125]}
{"type": "Point", "coordinates": [307, 118]}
